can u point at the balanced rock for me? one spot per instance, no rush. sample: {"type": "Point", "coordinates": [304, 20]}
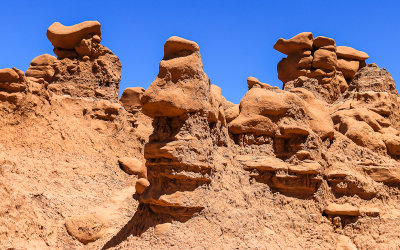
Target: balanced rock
{"type": "Point", "coordinates": [299, 42]}
{"type": "Point", "coordinates": [350, 53]}
{"type": "Point", "coordinates": [176, 46]}
{"type": "Point", "coordinates": [66, 37]}
{"type": "Point", "coordinates": [84, 67]}
{"type": "Point", "coordinates": [188, 121]}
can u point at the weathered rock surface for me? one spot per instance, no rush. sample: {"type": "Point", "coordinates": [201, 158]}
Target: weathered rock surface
{"type": "Point", "coordinates": [187, 123]}
{"type": "Point", "coordinates": [332, 66]}
{"type": "Point", "coordinates": [178, 165]}
{"type": "Point", "coordinates": [84, 67]}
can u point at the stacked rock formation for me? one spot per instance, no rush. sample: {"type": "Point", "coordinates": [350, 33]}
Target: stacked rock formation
{"type": "Point", "coordinates": [332, 66]}
{"type": "Point", "coordinates": [84, 67]}
{"type": "Point", "coordinates": [12, 85]}
{"type": "Point", "coordinates": [187, 122]}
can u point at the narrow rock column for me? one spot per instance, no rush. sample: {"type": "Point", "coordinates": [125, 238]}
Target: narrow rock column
{"type": "Point", "coordinates": [187, 124]}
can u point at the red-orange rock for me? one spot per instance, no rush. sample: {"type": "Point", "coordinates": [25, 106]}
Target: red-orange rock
{"type": "Point", "coordinates": [8, 75]}
{"type": "Point", "coordinates": [181, 85]}
{"type": "Point", "coordinates": [66, 37]}
{"type": "Point", "coordinates": [322, 41]}
{"type": "Point", "coordinates": [324, 59]}
{"type": "Point", "coordinates": [348, 67]}
{"type": "Point", "coordinates": [350, 53]}
{"type": "Point", "coordinates": [130, 98]}
{"type": "Point", "coordinates": [299, 42]}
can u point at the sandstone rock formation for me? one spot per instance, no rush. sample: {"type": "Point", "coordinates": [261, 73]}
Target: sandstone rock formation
{"type": "Point", "coordinates": [187, 123]}
{"type": "Point", "coordinates": [332, 66]}
{"type": "Point", "coordinates": [179, 166]}
{"type": "Point", "coordinates": [84, 67]}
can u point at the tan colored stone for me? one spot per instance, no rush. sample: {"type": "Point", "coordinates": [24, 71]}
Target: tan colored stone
{"type": "Point", "coordinates": [176, 46]}
{"type": "Point", "coordinates": [141, 185]}
{"type": "Point", "coordinates": [133, 166]}
{"type": "Point", "coordinates": [342, 209]}
{"type": "Point", "coordinates": [86, 228]}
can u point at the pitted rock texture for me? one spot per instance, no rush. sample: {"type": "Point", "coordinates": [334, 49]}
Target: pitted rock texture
{"type": "Point", "coordinates": [179, 166]}
{"type": "Point", "coordinates": [84, 67]}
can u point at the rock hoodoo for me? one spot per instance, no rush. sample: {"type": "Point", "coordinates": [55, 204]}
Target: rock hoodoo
{"type": "Point", "coordinates": [84, 67]}
{"type": "Point", "coordinates": [332, 66]}
{"type": "Point", "coordinates": [187, 124]}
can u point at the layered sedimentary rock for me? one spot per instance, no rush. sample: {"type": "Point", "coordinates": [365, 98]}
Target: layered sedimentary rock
{"type": "Point", "coordinates": [187, 122]}
{"type": "Point", "coordinates": [12, 85]}
{"type": "Point", "coordinates": [318, 58]}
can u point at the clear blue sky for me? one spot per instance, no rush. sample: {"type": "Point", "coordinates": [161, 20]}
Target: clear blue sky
{"type": "Point", "coordinates": [235, 37]}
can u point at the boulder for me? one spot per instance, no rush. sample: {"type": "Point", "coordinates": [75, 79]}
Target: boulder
{"type": "Point", "coordinates": [254, 82]}
{"type": "Point", "coordinates": [66, 37]}
{"type": "Point", "coordinates": [133, 166]}
{"type": "Point", "coordinates": [8, 75]}
{"type": "Point", "coordinates": [176, 46]}
{"type": "Point", "coordinates": [130, 98]}
{"type": "Point", "coordinates": [294, 65]}
{"type": "Point", "coordinates": [324, 59]}
{"type": "Point", "coordinates": [299, 42]}
{"type": "Point", "coordinates": [346, 209]}
{"type": "Point", "coordinates": [141, 185]}
{"type": "Point", "coordinates": [393, 145]}
{"type": "Point", "coordinates": [43, 60]}
{"type": "Point", "coordinates": [322, 41]}
{"type": "Point", "coordinates": [350, 53]}
{"type": "Point", "coordinates": [348, 67]}
{"type": "Point", "coordinates": [86, 228]}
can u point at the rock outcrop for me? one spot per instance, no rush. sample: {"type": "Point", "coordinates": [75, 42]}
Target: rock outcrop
{"type": "Point", "coordinates": [187, 124]}
{"type": "Point", "coordinates": [84, 67]}
{"type": "Point", "coordinates": [178, 165]}
{"type": "Point", "coordinates": [332, 66]}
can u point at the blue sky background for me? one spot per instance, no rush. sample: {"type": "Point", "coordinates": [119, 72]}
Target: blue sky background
{"type": "Point", "coordinates": [235, 37]}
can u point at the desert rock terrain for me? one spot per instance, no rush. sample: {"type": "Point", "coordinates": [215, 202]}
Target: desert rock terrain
{"type": "Point", "coordinates": [314, 165]}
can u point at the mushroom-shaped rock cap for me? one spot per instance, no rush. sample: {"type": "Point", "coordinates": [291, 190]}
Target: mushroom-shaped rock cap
{"type": "Point", "coordinates": [302, 41]}
{"type": "Point", "coordinates": [175, 46]}
{"type": "Point", "coordinates": [66, 37]}
{"type": "Point", "coordinates": [350, 53]}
